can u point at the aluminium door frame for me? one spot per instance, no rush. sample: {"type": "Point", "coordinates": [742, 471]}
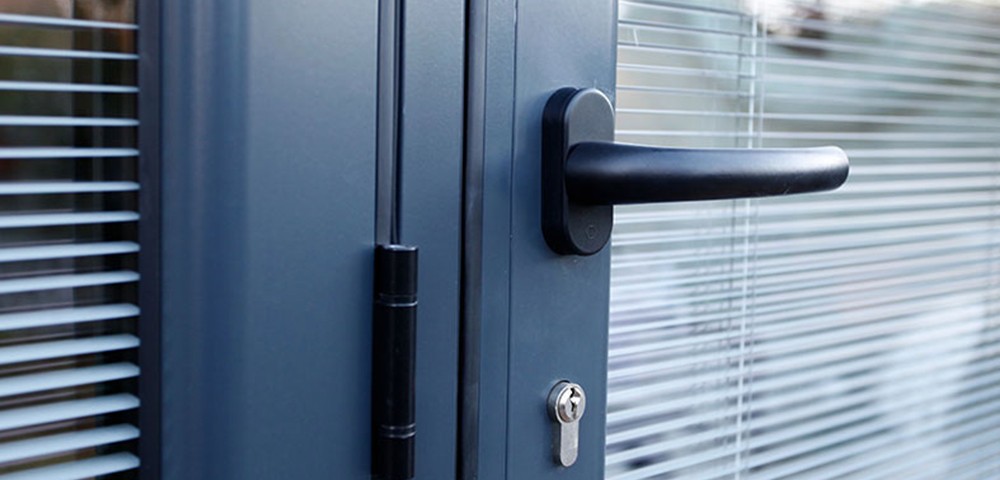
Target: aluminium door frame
{"type": "Point", "coordinates": [430, 167]}
{"type": "Point", "coordinates": [531, 317]}
{"type": "Point", "coordinates": [257, 102]}
{"type": "Point", "coordinates": [268, 200]}
{"type": "Point", "coordinates": [148, 329]}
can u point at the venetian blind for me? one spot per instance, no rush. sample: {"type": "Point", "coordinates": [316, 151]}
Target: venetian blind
{"type": "Point", "coordinates": [852, 334]}
{"type": "Point", "coordinates": [68, 273]}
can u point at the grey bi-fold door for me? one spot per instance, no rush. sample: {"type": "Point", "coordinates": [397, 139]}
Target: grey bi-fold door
{"type": "Point", "coordinates": [658, 239]}
{"type": "Point", "coordinates": [846, 334]}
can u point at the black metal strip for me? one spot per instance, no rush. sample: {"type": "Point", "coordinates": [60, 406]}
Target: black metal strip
{"type": "Point", "coordinates": [148, 44]}
{"type": "Point", "coordinates": [393, 365]}
{"type": "Point", "coordinates": [470, 323]}
{"type": "Point", "coordinates": [389, 128]}
{"type": "Point", "coordinates": [400, 58]}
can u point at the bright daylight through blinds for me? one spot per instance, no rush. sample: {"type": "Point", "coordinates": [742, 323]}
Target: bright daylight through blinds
{"type": "Point", "coordinates": [852, 334]}
{"type": "Point", "coordinates": [68, 273]}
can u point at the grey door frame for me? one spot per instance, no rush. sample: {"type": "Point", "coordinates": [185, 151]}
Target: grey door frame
{"type": "Point", "coordinates": [430, 156]}
{"type": "Point", "coordinates": [269, 224]}
{"type": "Point", "coordinates": [269, 220]}
{"type": "Point", "coordinates": [266, 276]}
{"type": "Point", "coordinates": [539, 317]}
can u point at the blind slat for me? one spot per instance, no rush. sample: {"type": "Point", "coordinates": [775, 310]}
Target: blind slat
{"type": "Point", "coordinates": [91, 467]}
{"type": "Point", "coordinates": [56, 219]}
{"type": "Point", "coordinates": [60, 53]}
{"type": "Point", "coordinates": [685, 7]}
{"type": "Point", "coordinates": [51, 444]}
{"type": "Point", "coordinates": [38, 20]}
{"type": "Point", "coordinates": [37, 188]}
{"type": "Point", "coordinates": [843, 99]}
{"type": "Point", "coordinates": [65, 152]}
{"type": "Point", "coordinates": [671, 27]}
{"type": "Point", "coordinates": [68, 410]}
{"type": "Point", "coordinates": [8, 85]}
{"type": "Point", "coordinates": [66, 348]}
{"type": "Point", "coordinates": [826, 136]}
{"type": "Point", "coordinates": [54, 282]}
{"type": "Point", "coordinates": [935, 120]}
{"type": "Point", "coordinates": [49, 121]}
{"type": "Point", "coordinates": [22, 384]}
{"type": "Point", "coordinates": [49, 252]}
{"type": "Point", "coordinates": [64, 316]}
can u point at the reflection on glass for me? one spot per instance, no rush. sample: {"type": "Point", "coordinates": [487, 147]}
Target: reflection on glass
{"type": "Point", "coordinates": [844, 335]}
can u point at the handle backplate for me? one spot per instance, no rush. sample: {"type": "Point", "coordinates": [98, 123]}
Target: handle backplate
{"type": "Point", "coordinates": [573, 116]}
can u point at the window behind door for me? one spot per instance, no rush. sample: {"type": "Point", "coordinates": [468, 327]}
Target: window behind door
{"type": "Point", "coordinates": [69, 248]}
{"type": "Point", "coordinates": [845, 335]}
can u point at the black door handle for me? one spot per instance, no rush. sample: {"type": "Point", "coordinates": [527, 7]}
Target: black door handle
{"type": "Point", "coordinates": [584, 173]}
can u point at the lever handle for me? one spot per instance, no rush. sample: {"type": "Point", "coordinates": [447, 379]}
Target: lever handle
{"type": "Point", "coordinates": [584, 173]}
{"type": "Point", "coordinates": [606, 173]}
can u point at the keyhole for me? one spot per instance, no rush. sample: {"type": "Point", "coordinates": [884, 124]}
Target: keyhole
{"type": "Point", "coordinates": [574, 403]}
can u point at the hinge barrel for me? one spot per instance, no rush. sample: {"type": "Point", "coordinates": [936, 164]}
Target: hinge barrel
{"type": "Point", "coordinates": [393, 369]}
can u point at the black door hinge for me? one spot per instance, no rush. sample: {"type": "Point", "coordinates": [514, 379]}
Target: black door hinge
{"type": "Point", "coordinates": [393, 370]}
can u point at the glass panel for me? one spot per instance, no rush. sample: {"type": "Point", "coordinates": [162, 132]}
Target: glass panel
{"type": "Point", "coordinates": [851, 334]}
{"type": "Point", "coordinates": [67, 270]}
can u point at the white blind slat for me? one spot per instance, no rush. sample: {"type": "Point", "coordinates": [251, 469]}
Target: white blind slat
{"type": "Point", "coordinates": [37, 382]}
{"type": "Point", "coordinates": [56, 219]}
{"type": "Point", "coordinates": [65, 348]}
{"type": "Point", "coordinates": [53, 282]}
{"type": "Point", "coordinates": [50, 121]}
{"type": "Point", "coordinates": [68, 410]}
{"type": "Point", "coordinates": [37, 188]}
{"type": "Point", "coordinates": [64, 316]}
{"type": "Point", "coordinates": [65, 87]}
{"type": "Point", "coordinates": [65, 152]}
{"type": "Point", "coordinates": [60, 53]}
{"type": "Point", "coordinates": [49, 252]}
{"type": "Point", "coordinates": [52, 444]}
{"type": "Point", "coordinates": [91, 467]}
{"type": "Point", "coordinates": [38, 20]}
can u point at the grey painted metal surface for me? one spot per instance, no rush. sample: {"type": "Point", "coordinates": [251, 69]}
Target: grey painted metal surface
{"type": "Point", "coordinates": [559, 304]}
{"type": "Point", "coordinates": [268, 221]}
{"type": "Point", "coordinates": [491, 84]}
{"type": "Point", "coordinates": [543, 296]}
{"type": "Point", "coordinates": [431, 199]}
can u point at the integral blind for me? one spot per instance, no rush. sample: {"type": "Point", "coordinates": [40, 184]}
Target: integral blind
{"type": "Point", "coordinates": [68, 248]}
{"type": "Point", "coordinates": [853, 334]}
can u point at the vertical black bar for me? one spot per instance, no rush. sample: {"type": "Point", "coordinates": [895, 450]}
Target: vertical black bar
{"type": "Point", "coordinates": [393, 365]}
{"type": "Point", "coordinates": [472, 242]}
{"type": "Point", "coordinates": [400, 59]}
{"type": "Point", "coordinates": [392, 24]}
{"type": "Point", "coordinates": [148, 45]}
